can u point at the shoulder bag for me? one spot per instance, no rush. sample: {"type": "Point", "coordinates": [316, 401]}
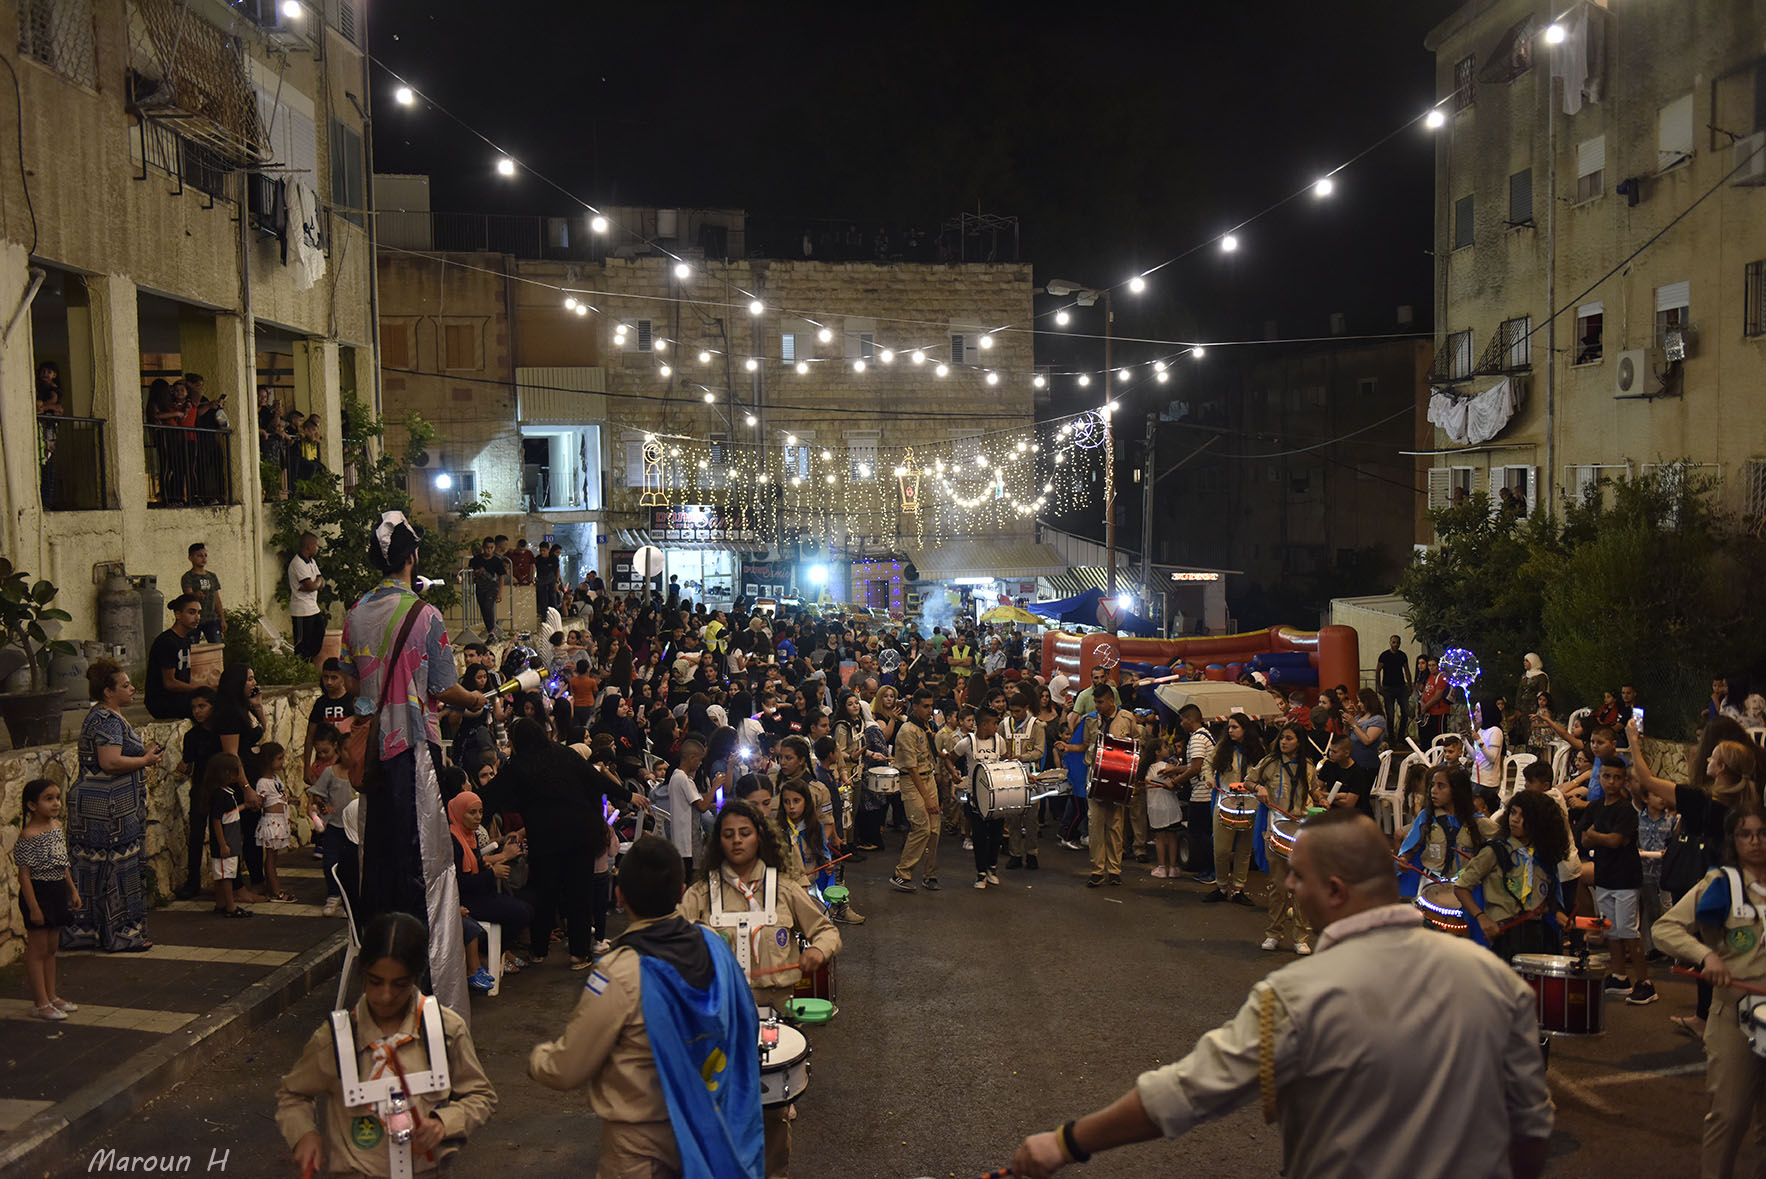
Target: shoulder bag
{"type": "Point", "coordinates": [362, 743]}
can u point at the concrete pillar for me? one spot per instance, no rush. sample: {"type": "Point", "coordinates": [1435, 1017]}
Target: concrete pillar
{"type": "Point", "coordinates": [116, 387]}
{"type": "Point", "coordinates": [22, 529]}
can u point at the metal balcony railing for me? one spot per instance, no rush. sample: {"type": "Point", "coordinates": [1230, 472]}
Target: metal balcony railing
{"type": "Point", "coordinates": [189, 466]}
{"type": "Point", "coordinates": [73, 470]}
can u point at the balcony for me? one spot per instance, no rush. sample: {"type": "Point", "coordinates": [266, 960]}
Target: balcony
{"type": "Point", "coordinates": [189, 466]}
{"type": "Point", "coordinates": [72, 467]}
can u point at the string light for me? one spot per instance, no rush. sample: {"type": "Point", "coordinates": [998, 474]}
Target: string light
{"type": "Point", "coordinates": [1323, 187]}
{"type": "Point", "coordinates": [790, 440]}
{"type": "Point", "coordinates": [598, 224]}
{"type": "Point", "coordinates": [659, 345]}
{"type": "Point", "coordinates": [986, 341]}
{"type": "Point", "coordinates": [1084, 380]}
{"type": "Point", "coordinates": [1555, 34]}
{"type": "Point", "coordinates": [803, 368]}
{"type": "Point", "coordinates": [570, 303]}
{"type": "Point", "coordinates": [826, 336]}
{"type": "Point", "coordinates": [1158, 366]}
{"type": "Point", "coordinates": [751, 364]}
{"type": "Point", "coordinates": [886, 356]}
{"type": "Point", "coordinates": [1161, 376]}
{"type": "Point", "coordinates": [582, 309]}
{"type": "Point", "coordinates": [710, 399]}
{"type": "Point", "coordinates": [1123, 374]}
{"type": "Point", "coordinates": [1197, 351]}
{"type": "Point", "coordinates": [858, 366]}
{"type": "Point", "coordinates": [1229, 243]}
{"type": "Point", "coordinates": [403, 96]}
{"type": "Point", "coordinates": [1435, 120]}
{"type": "Point", "coordinates": [1137, 284]}
{"type": "Point", "coordinates": [663, 370]}
{"type": "Point", "coordinates": [827, 456]}
{"type": "Point", "coordinates": [683, 271]}
{"type": "Point", "coordinates": [704, 357]}
{"type": "Point", "coordinates": [942, 370]}
{"type": "Point", "coordinates": [755, 307]}
{"type": "Point", "coordinates": [292, 9]}
{"type": "Point", "coordinates": [751, 420]}
{"type": "Point", "coordinates": [918, 357]}
{"type": "Point", "coordinates": [505, 166]}
{"type": "Point", "coordinates": [993, 378]}
{"type": "Point", "coordinates": [1038, 381]}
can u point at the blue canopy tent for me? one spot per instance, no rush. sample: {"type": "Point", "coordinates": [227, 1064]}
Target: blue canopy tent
{"type": "Point", "coordinates": [1082, 610]}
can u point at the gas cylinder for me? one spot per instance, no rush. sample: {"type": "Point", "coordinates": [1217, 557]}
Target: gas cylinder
{"type": "Point", "coordinates": [119, 619]}
{"type": "Point", "coordinates": [153, 606]}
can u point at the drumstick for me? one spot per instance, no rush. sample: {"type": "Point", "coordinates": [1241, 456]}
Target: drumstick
{"type": "Point", "coordinates": [1749, 988]}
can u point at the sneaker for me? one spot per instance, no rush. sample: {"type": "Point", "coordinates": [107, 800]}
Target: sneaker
{"type": "Point", "coordinates": [1115, 878]}
{"type": "Point", "coordinates": [1068, 844]}
{"type": "Point", "coordinates": [602, 947]}
{"type": "Point", "coordinates": [332, 906]}
{"type": "Point", "coordinates": [1095, 879]}
{"type": "Point", "coordinates": [1085, 840]}
{"type": "Point", "coordinates": [968, 845]}
{"type": "Point", "coordinates": [847, 915]}
{"type": "Point", "coordinates": [1215, 897]}
{"type": "Point", "coordinates": [1268, 944]}
{"type": "Point", "coordinates": [1642, 994]}
{"type": "Point", "coordinates": [901, 883]}
{"type": "Point", "coordinates": [481, 982]}
{"type": "Point", "coordinates": [1014, 861]}
{"type": "Point", "coordinates": [1203, 878]}
{"type": "Point", "coordinates": [1030, 863]}
{"type": "Point", "coordinates": [1302, 949]}
{"type": "Point", "coordinates": [993, 877]}
{"type": "Point", "coordinates": [930, 884]}
{"type": "Point", "coordinates": [1616, 985]}
{"type": "Point", "coordinates": [981, 881]}
{"type": "Point", "coordinates": [1240, 898]}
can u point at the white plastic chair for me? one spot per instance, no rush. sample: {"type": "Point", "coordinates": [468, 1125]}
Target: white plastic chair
{"type": "Point", "coordinates": [1512, 767]}
{"type": "Point", "coordinates": [1758, 734]}
{"type": "Point", "coordinates": [1560, 761]}
{"type": "Point", "coordinates": [351, 951]}
{"type": "Point", "coordinates": [493, 935]}
{"type": "Point", "coordinates": [1385, 795]}
{"type": "Point", "coordinates": [1570, 724]}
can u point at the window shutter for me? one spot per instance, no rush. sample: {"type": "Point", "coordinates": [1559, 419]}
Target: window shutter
{"type": "Point", "coordinates": [957, 345]}
{"type": "Point", "coordinates": [1520, 196]}
{"type": "Point", "coordinates": [634, 462]}
{"type": "Point", "coordinates": [1440, 488]}
{"type": "Point", "coordinates": [1591, 156]}
{"type": "Point", "coordinates": [1532, 489]}
{"type": "Point", "coordinates": [788, 347]}
{"type": "Point", "coordinates": [1480, 481]}
{"type": "Point", "coordinates": [643, 335]}
{"type": "Point", "coordinates": [1587, 309]}
{"type": "Point", "coordinates": [1673, 295]}
{"type": "Point", "coordinates": [1674, 132]}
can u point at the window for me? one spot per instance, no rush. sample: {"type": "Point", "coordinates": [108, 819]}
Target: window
{"type": "Point", "coordinates": [861, 338]}
{"type": "Point", "coordinates": [1673, 308]}
{"type": "Point", "coordinates": [1517, 342]}
{"type": "Point", "coordinates": [1465, 83]}
{"type": "Point", "coordinates": [788, 347]}
{"type": "Point", "coordinates": [346, 21]}
{"type": "Point", "coordinates": [1587, 482]}
{"type": "Point", "coordinates": [1523, 482]}
{"type": "Point", "coordinates": [1520, 197]}
{"type": "Point", "coordinates": [1589, 323]}
{"type": "Point", "coordinates": [639, 338]}
{"type": "Point", "coordinates": [395, 344]}
{"type": "Point", "coordinates": [1367, 386]}
{"type": "Point", "coordinates": [349, 190]}
{"type": "Point", "coordinates": [1463, 210]}
{"type": "Point", "coordinates": [1753, 476]}
{"type": "Point", "coordinates": [1754, 299]}
{"type": "Point", "coordinates": [1591, 163]}
{"type": "Point", "coordinates": [59, 33]}
{"type": "Point", "coordinates": [959, 347]}
{"type": "Point", "coordinates": [796, 457]}
{"type": "Point", "coordinates": [1674, 133]}
{"type": "Point", "coordinates": [1449, 486]}
{"type": "Point", "coordinates": [634, 462]}
{"type": "Point", "coordinates": [1459, 355]}
{"type": "Point", "coordinates": [460, 346]}
{"type": "Point", "coordinates": [1737, 99]}
{"type": "Point", "coordinates": [861, 455]}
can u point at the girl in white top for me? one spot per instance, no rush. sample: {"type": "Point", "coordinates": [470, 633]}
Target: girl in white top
{"type": "Point", "coordinates": [1488, 750]}
{"type": "Point", "coordinates": [1164, 809]}
{"type": "Point", "coordinates": [274, 832]}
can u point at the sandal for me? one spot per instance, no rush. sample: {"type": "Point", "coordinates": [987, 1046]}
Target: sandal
{"type": "Point", "coordinates": [235, 911]}
{"type": "Point", "coordinates": [282, 896]}
{"type": "Point", "coordinates": [1688, 1024]}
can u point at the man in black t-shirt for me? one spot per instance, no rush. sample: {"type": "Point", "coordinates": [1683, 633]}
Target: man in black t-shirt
{"type": "Point", "coordinates": [488, 572]}
{"type": "Point", "coordinates": [1394, 671]}
{"type": "Point", "coordinates": [168, 662]}
{"type": "Point", "coordinates": [1354, 784]}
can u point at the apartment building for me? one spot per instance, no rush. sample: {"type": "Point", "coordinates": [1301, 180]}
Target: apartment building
{"type": "Point", "coordinates": [191, 200]}
{"type": "Point", "coordinates": [547, 355]}
{"type": "Point", "coordinates": [1600, 247]}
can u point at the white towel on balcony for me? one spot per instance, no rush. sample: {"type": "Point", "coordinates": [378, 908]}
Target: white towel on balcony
{"type": "Point", "coordinates": [1471, 420]}
{"type": "Point", "coordinates": [306, 229]}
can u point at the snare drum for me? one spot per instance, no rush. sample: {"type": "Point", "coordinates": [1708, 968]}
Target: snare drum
{"type": "Point", "coordinates": [1283, 831]}
{"type": "Point", "coordinates": [1237, 810]}
{"type": "Point", "coordinates": [1569, 992]}
{"type": "Point", "coordinates": [816, 984]}
{"type": "Point", "coordinates": [1112, 776]}
{"type": "Point", "coordinates": [1441, 909]}
{"type": "Point", "coordinates": [784, 1063]}
{"type": "Point", "coordinates": [883, 780]}
{"type": "Point", "coordinates": [1000, 788]}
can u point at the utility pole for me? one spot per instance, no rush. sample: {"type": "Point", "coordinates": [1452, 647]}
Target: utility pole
{"type": "Point", "coordinates": [1147, 478]}
{"type": "Point", "coordinates": [1544, 492]}
{"type": "Point", "coordinates": [1109, 453]}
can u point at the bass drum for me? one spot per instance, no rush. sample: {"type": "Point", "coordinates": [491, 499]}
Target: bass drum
{"type": "Point", "coordinates": [1000, 788]}
{"type": "Point", "coordinates": [1112, 778]}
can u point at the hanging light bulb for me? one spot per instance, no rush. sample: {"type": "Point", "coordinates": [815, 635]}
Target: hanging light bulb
{"type": "Point", "coordinates": [1162, 376]}
{"type": "Point", "coordinates": [1062, 319]}
{"type": "Point", "coordinates": [986, 341]}
{"type": "Point", "coordinates": [755, 307]}
{"type": "Point", "coordinates": [1123, 374]}
{"type": "Point", "coordinates": [802, 368]}
{"type": "Point", "coordinates": [942, 370]}
{"type": "Point", "coordinates": [1323, 187]}
{"type": "Point", "coordinates": [858, 366]}
{"type": "Point", "coordinates": [570, 302]}
{"type": "Point", "coordinates": [710, 399]}
{"type": "Point", "coordinates": [704, 357]}
{"type": "Point", "coordinates": [1198, 351]}
{"type": "Point", "coordinates": [826, 336]}
{"type": "Point", "coordinates": [790, 440]}
{"type": "Point", "coordinates": [403, 96]}
{"type": "Point", "coordinates": [1038, 381]}
{"type": "Point", "coordinates": [1435, 120]}
{"type": "Point", "coordinates": [1228, 244]}
{"type": "Point", "coordinates": [683, 271]}
{"type": "Point", "coordinates": [993, 378]}
{"type": "Point", "coordinates": [1555, 34]}
{"type": "Point", "coordinates": [886, 356]}
{"type": "Point", "coordinates": [827, 456]}
{"type": "Point", "coordinates": [659, 344]}
{"type": "Point", "coordinates": [582, 308]}
{"type": "Point", "coordinates": [663, 371]}
{"type": "Point", "coordinates": [750, 420]}
{"type": "Point", "coordinates": [598, 224]}
{"type": "Point", "coordinates": [505, 166]}
{"type": "Point", "coordinates": [1158, 366]}
{"type": "Point", "coordinates": [1137, 284]}
{"type": "Point", "coordinates": [918, 357]}
{"type": "Point", "coordinates": [1084, 380]}
{"type": "Point", "coordinates": [751, 364]}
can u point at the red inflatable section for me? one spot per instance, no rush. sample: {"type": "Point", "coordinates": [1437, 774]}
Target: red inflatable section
{"type": "Point", "coordinates": [1334, 651]}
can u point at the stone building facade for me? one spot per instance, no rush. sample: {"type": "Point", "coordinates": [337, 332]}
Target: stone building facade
{"type": "Point", "coordinates": [1572, 157]}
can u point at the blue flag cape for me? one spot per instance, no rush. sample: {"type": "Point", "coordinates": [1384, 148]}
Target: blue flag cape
{"type": "Point", "coordinates": [706, 1047]}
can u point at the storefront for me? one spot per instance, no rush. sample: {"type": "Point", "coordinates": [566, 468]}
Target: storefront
{"type": "Point", "coordinates": [701, 547]}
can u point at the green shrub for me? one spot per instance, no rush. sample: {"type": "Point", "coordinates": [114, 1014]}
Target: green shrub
{"type": "Point", "coordinates": [247, 643]}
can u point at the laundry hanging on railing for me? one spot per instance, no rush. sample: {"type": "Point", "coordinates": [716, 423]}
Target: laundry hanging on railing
{"type": "Point", "coordinates": [305, 227]}
{"type": "Point", "coordinates": [1471, 420]}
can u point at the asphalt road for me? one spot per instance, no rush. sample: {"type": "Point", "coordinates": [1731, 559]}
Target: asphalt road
{"type": "Point", "coordinates": [967, 1020]}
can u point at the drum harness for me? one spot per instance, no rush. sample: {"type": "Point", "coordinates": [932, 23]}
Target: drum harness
{"type": "Point", "coordinates": [746, 925]}
{"type": "Point", "coordinates": [390, 1089]}
{"type": "Point", "coordinates": [1749, 1013]}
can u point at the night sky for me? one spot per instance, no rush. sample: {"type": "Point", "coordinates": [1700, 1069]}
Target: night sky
{"type": "Point", "coordinates": [1120, 135]}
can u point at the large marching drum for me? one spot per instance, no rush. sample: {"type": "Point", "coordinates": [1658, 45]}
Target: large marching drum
{"type": "Point", "coordinates": [1112, 776]}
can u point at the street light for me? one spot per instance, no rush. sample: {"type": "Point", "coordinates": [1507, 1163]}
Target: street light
{"type": "Point", "coordinates": [1085, 296]}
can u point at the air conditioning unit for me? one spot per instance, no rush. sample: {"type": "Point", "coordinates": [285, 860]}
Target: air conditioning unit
{"type": "Point", "coordinates": [1750, 158]}
{"type": "Point", "coordinates": [1635, 374]}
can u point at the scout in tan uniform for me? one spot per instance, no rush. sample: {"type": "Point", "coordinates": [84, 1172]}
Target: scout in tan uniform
{"type": "Point", "coordinates": [1026, 738]}
{"type": "Point", "coordinates": [393, 1019]}
{"type": "Point", "coordinates": [1104, 818]}
{"type": "Point", "coordinates": [1517, 877]}
{"type": "Point", "coordinates": [744, 851]}
{"type": "Point", "coordinates": [606, 1045]}
{"type": "Point", "coordinates": [1330, 1043]}
{"type": "Point", "coordinates": [1285, 780]}
{"type": "Point", "coordinates": [1725, 936]}
{"type": "Point", "coordinates": [919, 796]}
{"type": "Point", "coordinates": [959, 724]}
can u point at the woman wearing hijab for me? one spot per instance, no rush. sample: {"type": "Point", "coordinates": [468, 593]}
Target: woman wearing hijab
{"type": "Point", "coordinates": [1526, 703]}
{"type": "Point", "coordinates": [480, 865]}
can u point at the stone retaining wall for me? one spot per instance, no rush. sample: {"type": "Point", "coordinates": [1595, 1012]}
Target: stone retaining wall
{"type": "Point", "coordinates": [168, 800]}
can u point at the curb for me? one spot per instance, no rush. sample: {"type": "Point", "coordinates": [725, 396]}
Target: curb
{"type": "Point", "coordinates": [123, 1090]}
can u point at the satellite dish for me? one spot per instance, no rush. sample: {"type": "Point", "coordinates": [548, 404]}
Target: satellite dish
{"type": "Point", "coordinates": [647, 561]}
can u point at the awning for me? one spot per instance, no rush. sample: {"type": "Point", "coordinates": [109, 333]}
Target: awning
{"type": "Point", "coordinates": [637, 538]}
{"type": "Point", "coordinates": [988, 558]}
{"type": "Point", "coordinates": [1070, 583]}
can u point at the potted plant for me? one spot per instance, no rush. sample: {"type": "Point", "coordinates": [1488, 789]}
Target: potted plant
{"type": "Point", "coordinates": [33, 717]}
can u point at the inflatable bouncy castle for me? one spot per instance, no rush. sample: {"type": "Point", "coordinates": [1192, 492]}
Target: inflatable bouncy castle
{"type": "Point", "coordinates": [1292, 659]}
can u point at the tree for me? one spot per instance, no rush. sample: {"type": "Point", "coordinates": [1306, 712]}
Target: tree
{"type": "Point", "coordinates": [344, 520]}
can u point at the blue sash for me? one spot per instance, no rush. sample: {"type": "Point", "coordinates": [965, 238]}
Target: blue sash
{"type": "Point", "coordinates": [705, 1045]}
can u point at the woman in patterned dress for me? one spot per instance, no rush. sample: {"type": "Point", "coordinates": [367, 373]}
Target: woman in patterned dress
{"type": "Point", "coordinates": [106, 820]}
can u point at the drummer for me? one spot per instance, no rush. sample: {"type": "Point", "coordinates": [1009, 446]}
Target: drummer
{"type": "Point", "coordinates": [1026, 736]}
{"type": "Point", "coordinates": [984, 745]}
{"type": "Point", "coordinates": [1284, 780]}
{"type": "Point", "coordinates": [1104, 818]}
{"type": "Point", "coordinates": [744, 851]}
{"type": "Point", "coordinates": [1233, 758]}
{"type": "Point", "coordinates": [1447, 821]}
{"type": "Point", "coordinates": [1725, 936]}
{"type": "Point", "coordinates": [1510, 886]}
